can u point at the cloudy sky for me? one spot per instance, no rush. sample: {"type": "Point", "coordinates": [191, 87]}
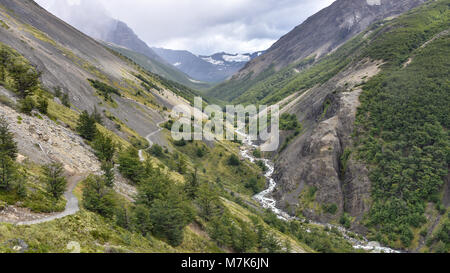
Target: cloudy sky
{"type": "Point", "coordinates": [200, 26]}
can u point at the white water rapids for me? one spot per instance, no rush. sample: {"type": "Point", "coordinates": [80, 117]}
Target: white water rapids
{"type": "Point", "coordinates": [268, 202]}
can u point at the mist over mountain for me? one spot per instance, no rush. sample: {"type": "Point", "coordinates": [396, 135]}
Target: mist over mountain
{"type": "Point", "coordinates": [91, 18]}
{"type": "Point", "coordinates": [310, 41]}
{"type": "Point", "coordinates": [215, 68]}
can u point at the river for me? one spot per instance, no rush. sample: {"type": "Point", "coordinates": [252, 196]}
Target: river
{"type": "Point", "coordinates": [268, 202]}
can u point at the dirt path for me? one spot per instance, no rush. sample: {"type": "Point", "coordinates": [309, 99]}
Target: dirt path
{"type": "Point", "coordinates": [148, 137]}
{"type": "Point", "coordinates": [72, 206]}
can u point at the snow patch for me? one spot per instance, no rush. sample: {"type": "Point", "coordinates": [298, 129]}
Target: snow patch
{"type": "Point", "coordinates": [212, 61]}
{"type": "Point", "coordinates": [236, 58]}
{"type": "Point", "coordinates": [374, 2]}
{"type": "Point", "coordinates": [177, 64]}
{"type": "Point", "coordinates": [194, 81]}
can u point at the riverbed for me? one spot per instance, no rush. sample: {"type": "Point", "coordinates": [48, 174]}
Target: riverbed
{"type": "Point", "coordinates": [268, 202]}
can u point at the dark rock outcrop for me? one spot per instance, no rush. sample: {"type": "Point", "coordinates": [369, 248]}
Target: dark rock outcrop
{"type": "Point", "coordinates": [321, 158]}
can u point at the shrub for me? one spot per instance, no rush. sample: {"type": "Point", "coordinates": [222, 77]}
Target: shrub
{"type": "Point", "coordinates": [97, 197]}
{"type": "Point", "coordinates": [233, 160]}
{"type": "Point", "coordinates": [156, 150]}
{"type": "Point", "coordinates": [42, 105]}
{"type": "Point", "coordinates": [26, 105]}
{"type": "Point", "coordinates": [53, 177]}
{"type": "Point", "coordinates": [86, 126]}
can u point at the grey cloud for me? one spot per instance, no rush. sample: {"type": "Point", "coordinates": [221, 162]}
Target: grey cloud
{"type": "Point", "coordinates": [200, 26]}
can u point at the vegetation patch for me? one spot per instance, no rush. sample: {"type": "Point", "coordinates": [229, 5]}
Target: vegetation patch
{"type": "Point", "coordinates": [403, 122]}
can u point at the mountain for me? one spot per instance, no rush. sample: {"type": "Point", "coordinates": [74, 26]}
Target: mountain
{"type": "Point", "coordinates": [75, 111]}
{"type": "Point", "coordinates": [91, 18]}
{"type": "Point", "coordinates": [370, 146]}
{"type": "Point", "coordinates": [319, 35]}
{"type": "Point", "coordinates": [215, 68]}
{"type": "Point", "coordinates": [67, 58]}
{"type": "Point", "coordinates": [198, 72]}
{"type": "Point", "coordinates": [120, 34]}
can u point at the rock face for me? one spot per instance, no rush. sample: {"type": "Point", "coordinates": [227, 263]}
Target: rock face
{"type": "Point", "coordinates": [325, 31]}
{"type": "Point", "coordinates": [321, 158]}
{"type": "Point", "coordinates": [41, 141]}
{"type": "Point", "coordinates": [120, 34]}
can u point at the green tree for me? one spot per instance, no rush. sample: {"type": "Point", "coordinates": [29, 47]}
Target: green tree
{"type": "Point", "coordinates": [42, 105]}
{"type": "Point", "coordinates": [171, 215]}
{"type": "Point", "coordinates": [156, 150]}
{"type": "Point", "coordinates": [26, 105]}
{"type": "Point", "coordinates": [154, 187]}
{"type": "Point", "coordinates": [257, 153]}
{"type": "Point", "coordinates": [86, 126]}
{"type": "Point", "coordinates": [123, 217]}
{"type": "Point", "coordinates": [5, 59]}
{"type": "Point", "coordinates": [220, 229]}
{"type": "Point", "coordinates": [208, 201]}
{"type": "Point", "coordinates": [108, 173]}
{"type": "Point", "coordinates": [57, 91]}
{"type": "Point", "coordinates": [53, 178]}
{"type": "Point", "coordinates": [98, 197]}
{"type": "Point", "coordinates": [20, 185]}
{"type": "Point", "coordinates": [244, 239]}
{"type": "Point", "coordinates": [233, 160]}
{"type": "Point", "coordinates": [130, 165]}
{"type": "Point", "coordinates": [181, 163]}
{"type": "Point", "coordinates": [97, 116]}
{"type": "Point", "coordinates": [104, 147]}
{"type": "Point", "coordinates": [8, 154]}
{"type": "Point", "coordinates": [200, 152]}
{"type": "Point", "coordinates": [253, 185]}
{"type": "Point", "coordinates": [65, 100]}
{"type": "Point", "coordinates": [26, 80]}
{"type": "Point", "coordinates": [193, 184]}
{"type": "Point", "coordinates": [270, 244]}
{"type": "Point", "coordinates": [141, 220]}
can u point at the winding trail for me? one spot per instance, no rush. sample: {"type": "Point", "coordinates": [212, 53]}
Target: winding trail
{"type": "Point", "coordinates": [268, 202]}
{"type": "Point", "coordinates": [148, 138]}
{"type": "Point", "coordinates": [71, 208]}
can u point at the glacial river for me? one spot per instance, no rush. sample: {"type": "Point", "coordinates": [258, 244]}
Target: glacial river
{"type": "Point", "coordinates": [268, 202]}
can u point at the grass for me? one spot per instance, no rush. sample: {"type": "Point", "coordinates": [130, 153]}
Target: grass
{"type": "Point", "coordinates": [213, 166]}
{"type": "Point", "coordinates": [91, 231]}
{"type": "Point", "coordinates": [36, 199]}
{"type": "Point", "coordinates": [4, 25]}
{"type": "Point", "coordinates": [246, 215]}
{"type": "Point", "coordinates": [38, 34]}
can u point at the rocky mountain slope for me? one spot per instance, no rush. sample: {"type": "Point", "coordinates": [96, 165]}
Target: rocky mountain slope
{"type": "Point", "coordinates": [182, 66]}
{"type": "Point", "coordinates": [91, 18]}
{"type": "Point", "coordinates": [350, 162]}
{"type": "Point", "coordinates": [80, 74]}
{"type": "Point", "coordinates": [319, 35]}
{"type": "Point", "coordinates": [215, 68]}
{"type": "Point", "coordinates": [67, 58]}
